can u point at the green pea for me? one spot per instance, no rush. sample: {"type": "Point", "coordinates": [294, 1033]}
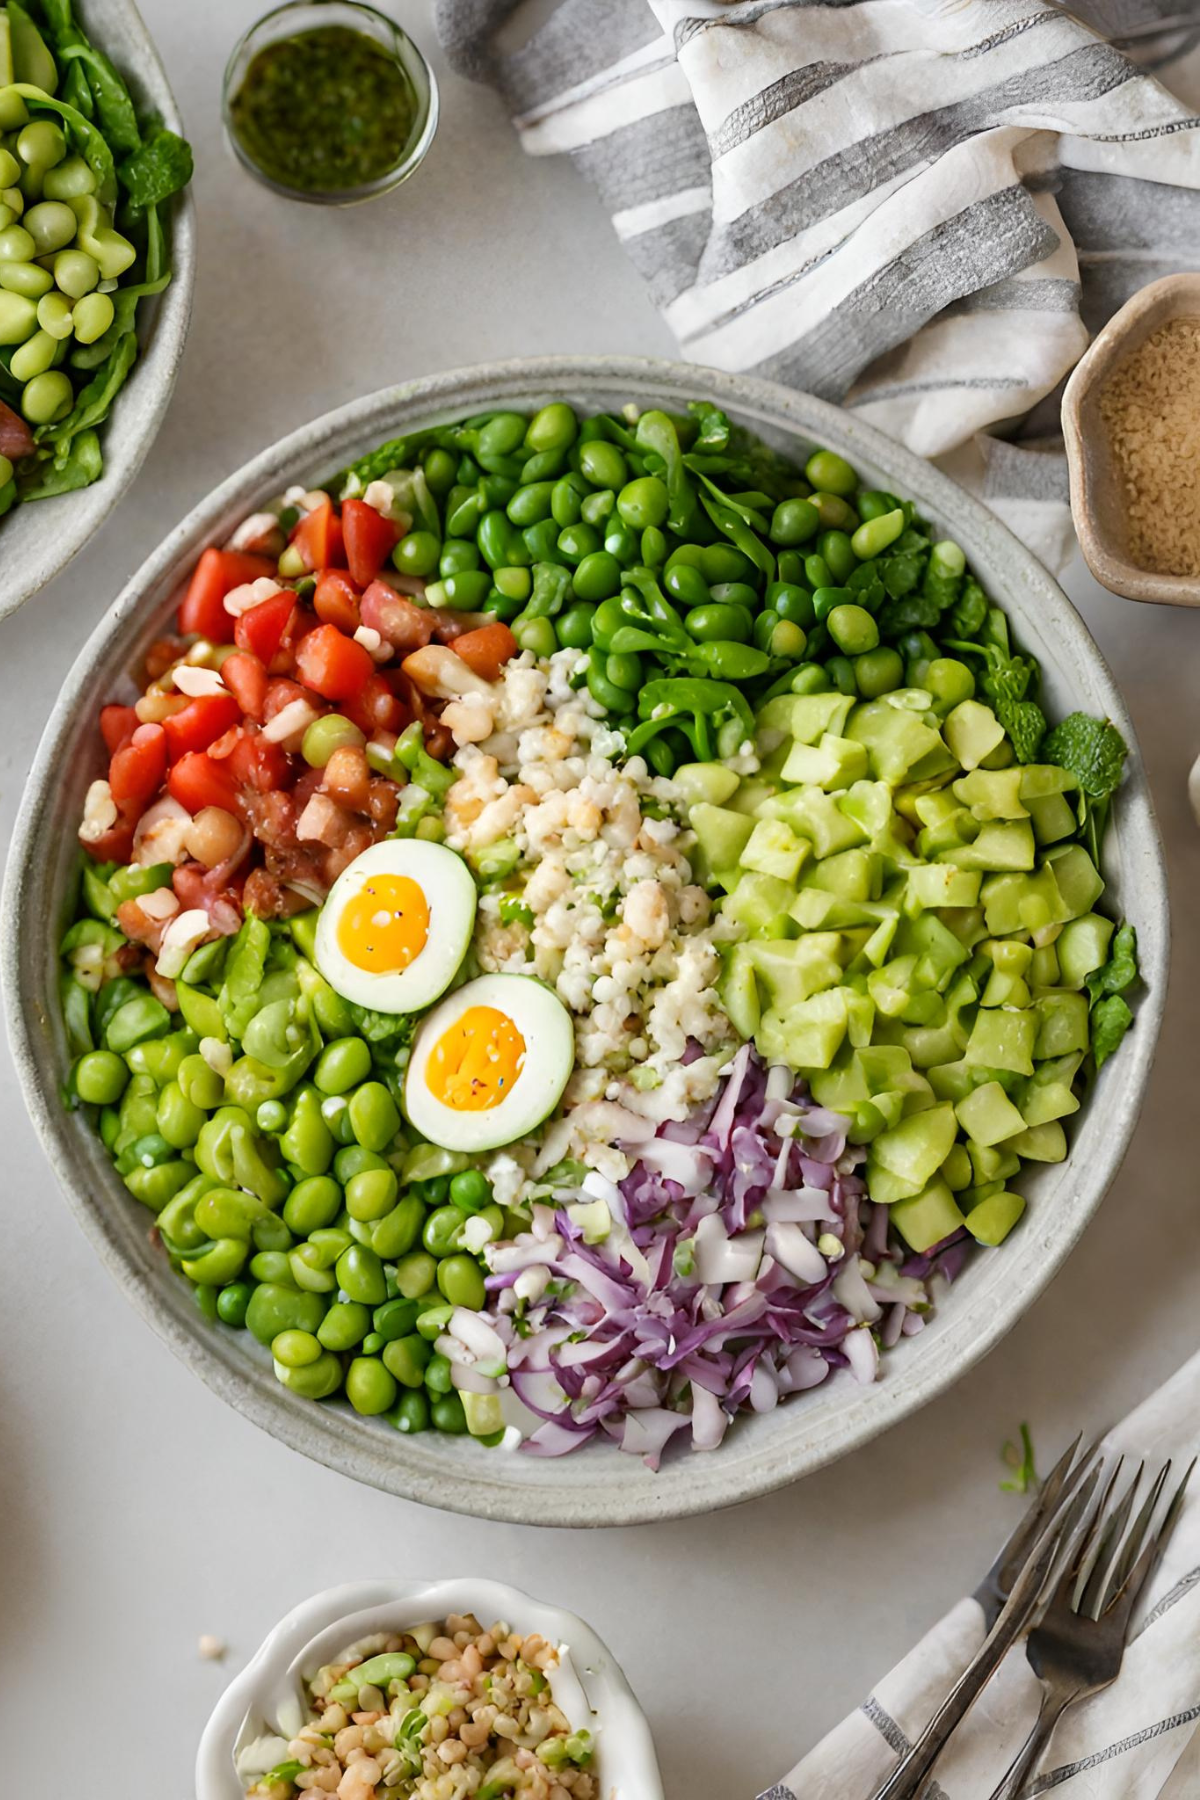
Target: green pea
{"type": "Point", "coordinates": [597, 576]}
{"type": "Point", "coordinates": [461, 1280]}
{"type": "Point", "coordinates": [602, 464]}
{"type": "Point", "coordinates": [312, 1204]}
{"type": "Point", "coordinates": [295, 1349]}
{"type": "Point", "coordinates": [371, 1195]}
{"type": "Point", "coordinates": [448, 1415]}
{"type": "Point", "coordinates": [949, 681]}
{"type": "Point", "coordinates": [405, 1358]}
{"type": "Point", "coordinates": [373, 1116]}
{"type": "Point", "coordinates": [537, 635]}
{"type": "Point", "coordinates": [342, 1065]}
{"type": "Point", "coordinates": [433, 1316]}
{"type": "Point", "coordinates": [179, 1120]}
{"type": "Point", "coordinates": [875, 535]}
{"type": "Point", "coordinates": [100, 1078]}
{"type": "Point", "coordinates": [810, 678]}
{"type": "Point", "coordinates": [716, 622]}
{"type": "Point", "coordinates": [879, 671]}
{"type": "Point", "coordinates": [370, 1389]}
{"type": "Point", "coordinates": [443, 1231]}
{"type": "Point", "coordinates": [552, 427]}
{"type": "Point", "coordinates": [344, 1325]}
{"type": "Point", "coordinates": [840, 559]}
{"type": "Point", "coordinates": [514, 583]}
{"type": "Point", "coordinates": [439, 1374]}
{"type": "Point", "coordinates": [853, 629]}
{"type": "Point", "coordinates": [872, 503]}
{"type": "Point", "coordinates": [794, 522]}
{"type": "Point", "coordinates": [417, 553]}
{"type": "Point", "coordinates": [574, 627]}
{"type": "Point", "coordinates": [232, 1304]}
{"type": "Point", "coordinates": [47, 397]}
{"type": "Point", "coordinates": [411, 1412]}
{"type": "Point", "coordinates": [624, 671]}
{"type": "Point", "coordinates": [831, 473]}
{"type": "Point", "coordinates": [724, 562]}
{"type": "Point", "coordinates": [470, 1190]}
{"type": "Point", "coordinates": [623, 543]}
{"type": "Point", "coordinates": [316, 1381]}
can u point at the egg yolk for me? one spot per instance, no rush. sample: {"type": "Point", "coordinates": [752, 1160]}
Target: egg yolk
{"type": "Point", "coordinates": [385, 926]}
{"type": "Point", "coordinates": [475, 1064]}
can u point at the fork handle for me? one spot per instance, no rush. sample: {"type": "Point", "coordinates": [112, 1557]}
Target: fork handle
{"type": "Point", "coordinates": [1029, 1755]}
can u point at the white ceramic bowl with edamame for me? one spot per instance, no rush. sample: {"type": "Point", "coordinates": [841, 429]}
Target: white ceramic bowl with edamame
{"type": "Point", "coordinates": [598, 1485]}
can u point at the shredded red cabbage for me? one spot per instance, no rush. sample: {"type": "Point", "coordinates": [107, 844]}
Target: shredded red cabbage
{"type": "Point", "coordinates": [745, 1260]}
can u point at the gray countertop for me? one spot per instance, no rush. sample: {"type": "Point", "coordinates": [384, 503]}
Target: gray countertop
{"type": "Point", "coordinates": [137, 1512]}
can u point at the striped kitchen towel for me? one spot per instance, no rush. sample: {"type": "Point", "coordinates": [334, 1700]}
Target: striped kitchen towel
{"type": "Point", "coordinates": [1139, 1740]}
{"type": "Point", "coordinates": [918, 208]}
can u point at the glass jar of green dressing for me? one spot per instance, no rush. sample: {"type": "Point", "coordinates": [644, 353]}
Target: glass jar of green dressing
{"type": "Point", "coordinates": [329, 101]}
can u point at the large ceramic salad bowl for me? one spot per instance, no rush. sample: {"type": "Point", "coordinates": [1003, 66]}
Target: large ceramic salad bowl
{"type": "Point", "coordinates": [598, 1485]}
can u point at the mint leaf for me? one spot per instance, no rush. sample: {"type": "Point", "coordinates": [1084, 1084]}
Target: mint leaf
{"type": "Point", "coordinates": [1111, 1019]}
{"type": "Point", "coordinates": [1092, 749]}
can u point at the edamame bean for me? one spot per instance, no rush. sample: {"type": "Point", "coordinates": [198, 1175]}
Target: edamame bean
{"type": "Point", "coordinates": [579, 541]}
{"type": "Point", "coordinates": [835, 513]}
{"type": "Point", "coordinates": [34, 356]}
{"type": "Point", "coordinates": [531, 504]}
{"type": "Point", "coordinates": [684, 582]}
{"type": "Point", "coordinates": [830, 473]}
{"type": "Point", "coordinates": [566, 500]}
{"type": "Point", "coordinates": [448, 1415]}
{"type": "Point", "coordinates": [624, 670]}
{"type": "Point", "coordinates": [360, 1275]}
{"type": "Point", "coordinates": [440, 468]}
{"type": "Point", "coordinates": [295, 1349]}
{"type": "Point", "coordinates": [100, 1078]}
{"type": "Point", "coordinates": [342, 1065]}
{"type": "Point", "coordinates": [597, 507]}
{"type": "Point", "coordinates": [51, 224]}
{"type": "Point", "coordinates": [872, 503]}
{"type": "Point", "coordinates": [461, 1280]}
{"type": "Point", "coordinates": [353, 1159]}
{"type": "Point", "coordinates": [312, 1204]}
{"type": "Point", "coordinates": [316, 1381]}
{"type": "Point", "coordinates": [179, 1119]}
{"type": "Point", "coordinates": [879, 671]}
{"type": "Point", "coordinates": [370, 1388]}
{"type": "Point", "coordinates": [838, 553]}
{"type": "Point", "coordinates": [853, 629]}
{"type": "Point", "coordinates": [397, 1232]}
{"type": "Point", "coordinates": [574, 627]}
{"type": "Point", "coordinates": [654, 547]}
{"type": "Point", "coordinates": [597, 576]}
{"type": "Point", "coordinates": [47, 397]}
{"type": "Point", "coordinates": [439, 1374]}
{"type": "Point", "coordinates": [417, 553]}
{"type": "Point", "coordinates": [503, 433]}
{"type": "Point", "coordinates": [514, 582]}
{"type": "Point", "coordinates": [458, 555]}
{"type": "Point", "coordinates": [371, 1195]}
{"type": "Point", "coordinates": [875, 535]}
{"type": "Point", "coordinates": [602, 464]}
{"type": "Point", "coordinates": [25, 279]}
{"type": "Point", "coordinates": [716, 622]}
{"type": "Point", "coordinates": [794, 522]}
{"type": "Point", "coordinates": [138, 1019]}
{"type": "Point", "coordinates": [344, 1325]}
{"type": "Point", "coordinates": [840, 671]}
{"type": "Point", "coordinates": [643, 502]}
{"type": "Point", "coordinates": [949, 681]}
{"type": "Point", "coordinates": [41, 144]}
{"type": "Point", "coordinates": [552, 427]}
{"type": "Point", "coordinates": [273, 1268]}
{"type": "Point", "coordinates": [415, 1274]}
{"type": "Point", "coordinates": [788, 640]}
{"type": "Point", "coordinates": [405, 1358]}
{"type": "Point", "coordinates": [792, 603]}
{"type": "Point", "coordinates": [18, 317]}
{"type": "Point", "coordinates": [443, 1231]}
{"type": "Point", "coordinates": [373, 1116]}
{"type": "Point", "coordinates": [70, 179]}
{"type": "Point", "coordinates": [411, 1412]}
{"type": "Point", "coordinates": [10, 168]}
{"type": "Point", "coordinates": [723, 562]}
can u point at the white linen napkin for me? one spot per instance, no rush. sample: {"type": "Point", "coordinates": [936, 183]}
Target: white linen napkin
{"type": "Point", "coordinates": [1136, 1740]}
{"type": "Point", "coordinates": [919, 208]}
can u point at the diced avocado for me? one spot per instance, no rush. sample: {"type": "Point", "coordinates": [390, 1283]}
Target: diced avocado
{"type": "Point", "coordinates": [1004, 1040]}
{"type": "Point", "coordinates": [851, 875]}
{"type": "Point", "coordinates": [818, 816]}
{"type": "Point", "coordinates": [916, 1148]}
{"type": "Point", "coordinates": [956, 1170]}
{"type": "Point", "coordinates": [709, 782]}
{"type": "Point", "coordinates": [1083, 947]}
{"type": "Point", "coordinates": [988, 1115]}
{"type": "Point", "coordinates": [6, 62]}
{"type": "Point", "coordinates": [898, 742]}
{"type": "Point", "coordinates": [972, 731]}
{"type": "Point", "coordinates": [739, 992]}
{"type": "Point", "coordinates": [1062, 1017]}
{"type": "Point", "coordinates": [1002, 844]}
{"type": "Point", "coordinates": [31, 61]}
{"type": "Point", "coordinates": [835, 762]}
{"type": "Point", "coordinates": [760, 903]}
{"type": "Point", "coordinates": [1076, 878]}
{"type": "Point", "coordinates": [751, 795]}
{"type": "Point", "coordinates": [793, 970]}
{"type": "Point", "coordinates": [1040, 780]}
{"type": "Point", "coordinates": [1052, 819]}
{"type": "Point", "coordinates": [991, 1221]}
{"type": "Point", "coordinates": [774, 849]}
{"type": "Point", "coordinates": [993, 1162]}
{"type": "Point", "coordinates": [992, 794]}
{"type": "Point", "coordinates": [928, 1217]}
{"type": "Point", "coordinates": [1041, 1143]}
{"type": "Point", "coordinates": [941, 884]}
{"type": "Point", "coordinates": [810, 1035]}
{"type": "Point", "coordinates": [1004, 989]}
{"type": "Point", "coordinates": [722, 835]}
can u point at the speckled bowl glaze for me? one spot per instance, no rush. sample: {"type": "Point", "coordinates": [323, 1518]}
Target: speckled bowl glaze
{"type": "Point", "coordinates": [38, 541]}
{"type": "Point", "coordinates": [331, 1621]}
{"type": "Point", "coordinates": [598, 1485]}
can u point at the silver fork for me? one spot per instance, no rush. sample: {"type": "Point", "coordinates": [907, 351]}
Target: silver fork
{"type": "Point", "coordinates": [1009, 1595]}
{"type": "Point", "coordinates": [1078, 1647]}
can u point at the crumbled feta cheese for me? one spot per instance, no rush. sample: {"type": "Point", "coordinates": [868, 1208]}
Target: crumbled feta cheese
{"type": "Point", "coordinates": [183, 935]}
{"type": "Point", "coordinates": [242, 599]}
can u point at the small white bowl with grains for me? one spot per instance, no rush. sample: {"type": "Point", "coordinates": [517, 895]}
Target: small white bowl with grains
{"type": "Point", "coordinates": [405, 1690]}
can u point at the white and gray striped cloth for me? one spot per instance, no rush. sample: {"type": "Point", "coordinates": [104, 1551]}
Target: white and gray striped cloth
{"type": "Point", "coordinates": [918, 208]}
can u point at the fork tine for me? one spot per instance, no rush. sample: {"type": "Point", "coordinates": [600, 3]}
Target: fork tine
{"type": "Point", "coordinates": [1080, 1550]}
{"type": "Point", "coordinates": [1013, 1557]}
{"type": "Point", "coordinates": [1135, 1539]}
{"type": "Point", "coordinates": [1152, 1554]}
{"type": "Point", "coordinates": [1091, 1589]}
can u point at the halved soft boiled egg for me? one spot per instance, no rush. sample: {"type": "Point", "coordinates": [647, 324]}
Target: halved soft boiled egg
{"type": "Point", "coordinates": [396, 925]}
{"type": "Point", "coordinates": [489, 1063]}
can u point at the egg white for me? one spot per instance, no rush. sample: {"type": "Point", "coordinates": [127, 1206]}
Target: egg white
{"type": "Point", "coordinates": [450, 895]}
{"type": "Point", "coordinates": [544, 1023]}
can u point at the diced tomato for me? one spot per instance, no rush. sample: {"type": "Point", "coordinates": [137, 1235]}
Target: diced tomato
{"type": "Point", "coordinates": [254, 762]}
{"type": "Point", "coordinates": [318, 538]}
{"type": "Point", "coordinates": [246, 680]}
{"type": "Point", "coordinates": [16, 439]}
{"type": "Point", "coordinates": [200, 723]}
{"type": "Point", "coordinates": [117, 726]}
{"type": "Point", "coordinates": [261, 629]}
{"type": "Point", "coordinates": [136, 771]}
{"type": "Point", "coordinates": [336, 600]}
{"type": "Point", "coordinates": [196, 781]}
{"type": "Point", "coordinates": [281, 692]}
{"type": "Point", "coordinates": [217, 573]}
{"type": "Point", "coordinates": [116, 845]}
{"type": "Point", "coordinates": [333, 664]}
{"type": "Point", "coordinates": [377, 708]}
{"type": "Point", "coordinates": [398, 620]}
{"type": "Point", "coordinates": [486, 651]}
{"type": "Point", "coordinates": [370, 539]}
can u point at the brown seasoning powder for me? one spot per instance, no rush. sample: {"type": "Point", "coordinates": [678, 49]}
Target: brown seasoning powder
{"type": "Point", "coordinates": [1151, 411]}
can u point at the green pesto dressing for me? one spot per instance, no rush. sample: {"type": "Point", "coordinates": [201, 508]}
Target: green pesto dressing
{"type": "Point", "coordinates": [324, 111]}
